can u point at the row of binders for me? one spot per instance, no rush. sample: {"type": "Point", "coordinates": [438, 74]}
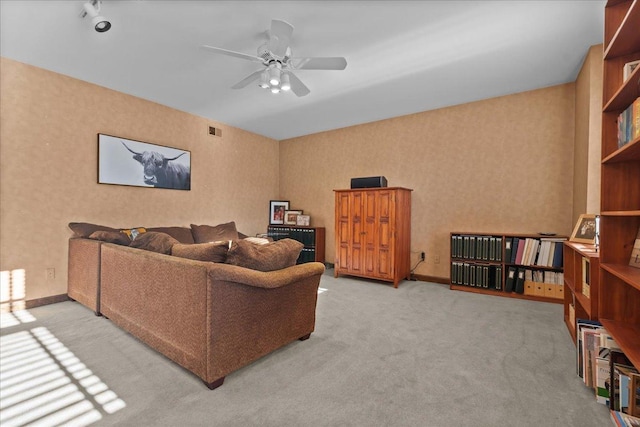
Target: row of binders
{"type": "Point", "coordinates": [539, 283]}
{"type": "Point", "coordinates": [306, 236]}
{"type": "Point", "coordinates": [539, 252]}
{"type": "Point", "coordinates": [604, 367]}
{"type": "Point", "coordinates": [482, 248]}
{"type": "Point", "coordinates": [480, 276]}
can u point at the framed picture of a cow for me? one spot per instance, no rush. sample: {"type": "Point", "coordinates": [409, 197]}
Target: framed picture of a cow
{"type": "Point", "coordinates": [141, 164]}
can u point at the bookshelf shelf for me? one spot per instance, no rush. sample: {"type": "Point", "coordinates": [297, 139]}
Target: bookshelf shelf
{"type": "Point", "coordinates": [627, 337]}
{"type": "Point", "coordinates": [619, 297]}
{"type": "Point", "coordinates": [581, 265]}
{"type": "Point", "coordinates": [629, 152]}
{"type": "Point", "coordinates": [490, 263]}
{"type": "Point", "coordinates": [630, 275]}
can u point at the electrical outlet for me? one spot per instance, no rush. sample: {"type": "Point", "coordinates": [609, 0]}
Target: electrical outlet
{"type": "Point", "coordinates": [436, 259]}
{"type": "Point", "coordinates": [422, 256]}
{"type": "Point", "coordinates": [51, 273]}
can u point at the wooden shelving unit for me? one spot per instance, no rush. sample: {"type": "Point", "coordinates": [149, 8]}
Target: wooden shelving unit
{"type": "Point", "coordinates": [581, 265]}
{"type": "Point", "coordinates": [619, 297]}
{"type": "Point", "coordinates": [498, 266]}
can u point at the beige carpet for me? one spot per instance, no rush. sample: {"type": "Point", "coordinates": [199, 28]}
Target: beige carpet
{"type": "Point", "coordinates": [419, 355]}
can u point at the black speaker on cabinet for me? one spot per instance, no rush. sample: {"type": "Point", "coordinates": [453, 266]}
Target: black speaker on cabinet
{"type": "Point", "coordinates": [369, 182]}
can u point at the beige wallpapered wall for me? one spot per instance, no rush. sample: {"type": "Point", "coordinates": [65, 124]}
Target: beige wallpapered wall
{"type": "Point", "coordinates": [587, 154]}
{"type": "Point", "coordinates": [48, 170]}
{"type": "Point", "coordinates": [498, 165]}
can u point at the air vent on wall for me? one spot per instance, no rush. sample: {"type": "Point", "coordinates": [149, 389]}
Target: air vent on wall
{"type": "Point", "coordinates": [215, 131]}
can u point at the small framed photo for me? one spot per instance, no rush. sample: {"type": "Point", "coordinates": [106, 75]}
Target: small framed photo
{"type": "Point", "coordinates": [585, 229]}
{"type": "Point", "coordinates": [628, 69]}
{"type": "Point", "coordinates": [291, 217]}
{"type": "Point", "coordinates": [277, 208]}
{"type": "Point", "coordinates": [303, 220]}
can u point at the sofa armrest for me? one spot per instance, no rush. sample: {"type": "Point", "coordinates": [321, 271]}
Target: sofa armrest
{"type": "Point", "coordinates": [265, 279]}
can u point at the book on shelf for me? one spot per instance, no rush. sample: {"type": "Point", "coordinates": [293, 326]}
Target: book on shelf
{"type": "Point", "coordinates": [507, 249]}
{"type": "Point", "coordinates": [586, 280]}
{"type": "Point", "coordinates": [581, 326]}
{"type": "Point", "coordinates": [624, 420]}
{"type": "Point", "coordinates": [628, 68]}
{"type": "Point", "coordinates": [520, 251]}
{"type": "Point", "coordinates": [629, 124]}
{"type": "Point", "coordinates": [634, 397]}
{"type": "Point", "coordinates": [511, 279]}
{"type": "Point", "coordinates": [519, 286]}
{"type": "Point", "coordinates": [634, 260]}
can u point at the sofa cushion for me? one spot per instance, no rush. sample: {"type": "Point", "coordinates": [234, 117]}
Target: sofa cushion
{"type": "Point", "coordinates": [212, 251]}
{"type": "Point", "coordinates": [268, 257]}
{"type": "Point", "coordinates": [85, 229]}
{"type": "Point", "coordinates": [181, 234]}
{"type": "Point", "coordinates": [218, 233]}
{"type": "Point", "coordinates": [154, 241]}
{"type": "Point", "coordinates": [111, 237]}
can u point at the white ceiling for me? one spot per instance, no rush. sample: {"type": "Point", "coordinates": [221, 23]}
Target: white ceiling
{"type": "Point", "coordinates": [403, 56]}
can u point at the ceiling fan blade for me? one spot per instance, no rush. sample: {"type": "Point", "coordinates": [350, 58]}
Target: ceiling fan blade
{"type": "Point", "coordinates": [297, 86]}
{"type": "Point", "coordinates": [280, 37]}
{"type": "Point", "coordinates": [232, 53]}
{"type": "Point", "coordinates": [244, 82]}
{"type": "Point", "coordinates": [329, 63]}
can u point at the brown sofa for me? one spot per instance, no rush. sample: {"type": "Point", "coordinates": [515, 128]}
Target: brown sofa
{"type": "Point", "coordinates": [211, 318]}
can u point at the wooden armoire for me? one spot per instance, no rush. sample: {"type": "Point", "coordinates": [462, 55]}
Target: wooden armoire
{"type": "Point", "coordinates": [373, 233]}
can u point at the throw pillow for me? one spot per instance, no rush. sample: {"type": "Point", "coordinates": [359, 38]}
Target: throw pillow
{"type": "Point", "coordinates": [220, 232]}
{"type": "Point", "coordinates": [155, 242]}
{"type": "Point", "coordinates": [133, 232]}
{"type": "Point", "coordinates": [268, 257]}
{"type": "Point", "coordinates": [212, 251]}
{"type": "Point", "coordinates": [85, 229]}
{"type": "Point", "coordinates": [111, 237]}
{"type": "Point", "coordinates": [181, 234]}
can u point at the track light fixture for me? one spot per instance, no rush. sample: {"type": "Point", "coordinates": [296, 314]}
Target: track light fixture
{"type": "Point", "coordinates": [92, 8]}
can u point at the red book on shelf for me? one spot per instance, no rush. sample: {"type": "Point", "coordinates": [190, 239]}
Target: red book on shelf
{"type": "Point", "coordinates": [520, 251]}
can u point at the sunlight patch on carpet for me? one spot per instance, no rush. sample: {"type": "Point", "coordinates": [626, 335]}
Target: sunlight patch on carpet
{"type": "Point", "coordinates": [42, 383]}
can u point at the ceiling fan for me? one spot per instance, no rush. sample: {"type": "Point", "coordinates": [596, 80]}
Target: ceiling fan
{"type": "Point", "coordinates": [278, 65]}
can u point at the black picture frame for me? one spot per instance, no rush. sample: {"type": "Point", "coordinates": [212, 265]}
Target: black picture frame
{"type": "Point", "coordinates": [128, 162]}
{"type": "Point", "coordinates": [277, 208]}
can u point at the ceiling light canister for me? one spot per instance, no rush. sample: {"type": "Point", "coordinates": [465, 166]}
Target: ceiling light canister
{"type": "Point", "coordinates": [274, 75]}
{"type": "Point", "coordinates": [285, 84]}
{"type": "Point", "coordinates": [264, 80]}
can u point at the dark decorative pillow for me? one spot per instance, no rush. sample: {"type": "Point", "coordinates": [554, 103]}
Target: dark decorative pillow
{"type": "Point", "coordinates": [213, 251]}
{"type": "Point", "coordinates": [154, 241]}
{"type": "Point", "coordinates": [218, 233]}
{"type": "Point", "coordinates": [111, 237]}
{"type": "Point", "coordinates": [133, 232]}
{"type": "Point", "coordinates": [85, 229]}
{"type": "Point", "coordinates": [181, 234]}
{"type": "Point", "coordinates": [269, 257]}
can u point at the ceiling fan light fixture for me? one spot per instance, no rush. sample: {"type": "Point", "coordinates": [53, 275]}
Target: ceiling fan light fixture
{"type": "Point", "coordinates": [285, 84]}
{"type": "Point", "coordinates": [275, 89]}
{"type": "Point", "coordinates": [264, 80]}
{"type": "Point", "coordinates": [274, 75]}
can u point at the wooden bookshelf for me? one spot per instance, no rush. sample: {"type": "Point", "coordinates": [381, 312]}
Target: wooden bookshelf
{"type": "Point", "coordinates": [468, 256]}
{"type": "Point", "coordinates": [581, 266]}
{"type": "Point", "coordinates": [619, 296]}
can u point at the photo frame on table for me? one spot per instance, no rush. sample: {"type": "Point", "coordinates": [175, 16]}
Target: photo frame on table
{"type": "Point", "coordinates": [585, 229]}
{"type": "Point", "coordinates": [290, 217]}
{"type": "Point", "coordinates": [124, 161]}
{"type": "Point", "coordinates": [303, 220]}
{"type": "Point", "coordinates": [277, 208]}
